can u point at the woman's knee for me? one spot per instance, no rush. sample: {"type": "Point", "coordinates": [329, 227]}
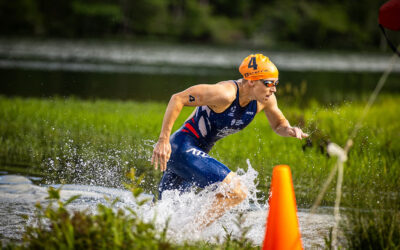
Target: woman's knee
{"type": "Point", "coordinates": [235, 188]}
{"type": "Point", "coordinates": [239, 192]}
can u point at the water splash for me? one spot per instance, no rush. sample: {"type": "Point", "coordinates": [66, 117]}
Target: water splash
{"type": "Point", "coordinates": [104, 165]}
{"type": "Point", "coordinates": [180, 210]}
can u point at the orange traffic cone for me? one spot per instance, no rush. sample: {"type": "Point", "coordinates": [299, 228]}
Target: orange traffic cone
{"type": "Point", "coordinates": [283, 231]}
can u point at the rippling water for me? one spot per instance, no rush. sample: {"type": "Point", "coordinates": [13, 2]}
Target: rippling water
{"type": "Point", "coordinates": [18, 195]}
{"type": "Point", "coordinates": [138, 57]}
{"type": "Point", "coordinates": [153, 71]}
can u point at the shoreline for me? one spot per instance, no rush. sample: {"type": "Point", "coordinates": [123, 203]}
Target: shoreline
{"type": "Point", "coordinates": [96, 56]}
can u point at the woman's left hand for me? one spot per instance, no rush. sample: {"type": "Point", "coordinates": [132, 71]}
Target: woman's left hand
{"type": "Point", "coordinates": [297, 132]}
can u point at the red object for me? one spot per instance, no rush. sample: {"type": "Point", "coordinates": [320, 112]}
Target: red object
{"type": "Point", "coordinates": [389, 15]}
{"type": "Point", "coordinates": [187, 125]}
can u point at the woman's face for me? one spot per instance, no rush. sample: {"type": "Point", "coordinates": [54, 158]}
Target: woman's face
{"type": "Point", "coordinates": [262, 91]}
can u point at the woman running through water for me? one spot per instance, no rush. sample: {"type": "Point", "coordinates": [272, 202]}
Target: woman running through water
{"type": "Point", "coordinates": [222, 109]}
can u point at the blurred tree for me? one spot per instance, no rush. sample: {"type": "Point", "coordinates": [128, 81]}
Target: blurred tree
{"type": "Point", "coordinates": [196, 23]}
{"type": "Point", "coordinates": [285, 23]}
{"type": "Point", "coordinates": [20, 17]}
{"type": "Point", "coordinates": [145, 17]}
{"type": "Point", "coordinates": [96, 18]}
{"type": "Point", "coordinates": [57, 17]}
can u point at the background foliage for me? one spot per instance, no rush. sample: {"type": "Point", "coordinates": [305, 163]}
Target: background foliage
{"type": "Point", "coordinates": [289, 23]}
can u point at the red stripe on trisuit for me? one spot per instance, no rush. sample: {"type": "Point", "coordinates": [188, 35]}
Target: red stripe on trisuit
{"type": "Point", "coordinates": [187, 125]}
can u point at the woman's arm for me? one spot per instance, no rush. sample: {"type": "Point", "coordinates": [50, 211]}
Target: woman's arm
{"type": "Point", "coordinates": [216, 95]}
{"type": "Point", "coordinates": [278, 121]}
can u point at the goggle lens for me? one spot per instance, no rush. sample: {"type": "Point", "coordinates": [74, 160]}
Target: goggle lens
{"type": "Point", "coordinates": [271, 83]}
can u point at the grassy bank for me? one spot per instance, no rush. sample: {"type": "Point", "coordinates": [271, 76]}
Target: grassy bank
{"type": "Point", "coordinates": [96, 141]}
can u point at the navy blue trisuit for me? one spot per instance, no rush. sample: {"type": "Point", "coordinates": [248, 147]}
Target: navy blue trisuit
{"type": "Point", "coordinates": [190, 163]}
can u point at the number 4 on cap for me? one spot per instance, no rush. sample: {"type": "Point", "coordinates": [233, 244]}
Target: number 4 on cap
{"type": "Point", "coordinates": [252, 63]}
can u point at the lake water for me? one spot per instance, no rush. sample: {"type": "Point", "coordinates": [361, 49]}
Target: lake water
{"type": "Point", "coordinates": [142, 72]}
{"type": "Point", "coordinates": [325, 87]}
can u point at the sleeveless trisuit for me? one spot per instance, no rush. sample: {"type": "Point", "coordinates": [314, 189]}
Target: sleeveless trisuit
{"type": "Point", "coordinates": [190, 163]}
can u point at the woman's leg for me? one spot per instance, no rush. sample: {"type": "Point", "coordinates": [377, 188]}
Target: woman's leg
{"type": "Point", "coordinates": [190, 164]}
{"type": "Point", "coordinates": [232, 193]}
{"type": "Point", "coordinates": [172, 181]}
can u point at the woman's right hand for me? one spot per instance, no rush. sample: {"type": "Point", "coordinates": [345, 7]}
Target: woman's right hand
{"type": "Point", "coordinates": [161, 154]}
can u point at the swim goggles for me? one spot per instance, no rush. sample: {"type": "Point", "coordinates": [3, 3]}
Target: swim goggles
{"type": "Point", "coordinates": [270, 83]}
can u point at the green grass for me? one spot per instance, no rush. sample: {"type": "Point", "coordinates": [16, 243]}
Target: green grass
{"type": "Point", "coordinates": [59, 136]}
{"type": "Point", "coordinates": [379, 229]}
{"type": "Point", "coordinates": [75, 141]}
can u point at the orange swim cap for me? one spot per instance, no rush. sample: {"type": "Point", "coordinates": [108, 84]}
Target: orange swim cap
{"type": "Point", "coordinates": [258, 66]}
